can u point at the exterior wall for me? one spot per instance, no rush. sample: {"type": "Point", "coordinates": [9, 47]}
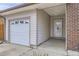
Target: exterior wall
{"type": "Point", "coordinates": [33, 21]}
{"type": "Point", "coordinates": [62, 17]}
{"type": "Point", "coordinates": [72, 10]}
{"type": "Point", "coordinates": [1, 29]}
{"type": "Point", "coordinates": [43, 26]}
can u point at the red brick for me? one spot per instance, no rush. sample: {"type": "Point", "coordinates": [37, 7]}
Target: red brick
{"type": "Point", "coordinates": [73, 26]}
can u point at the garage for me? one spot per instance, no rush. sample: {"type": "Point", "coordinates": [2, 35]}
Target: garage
{"type": "Point", "coordinates": [19, 32]}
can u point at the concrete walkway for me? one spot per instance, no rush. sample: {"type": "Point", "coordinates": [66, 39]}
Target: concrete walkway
{"type": "Point", "coordinates": [51, 47]}
{"type": "Point", "coordinates": [55, 47]}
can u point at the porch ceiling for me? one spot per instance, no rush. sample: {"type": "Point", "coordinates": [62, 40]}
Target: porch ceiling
{"type": "Point", "coordinates": [55, 10]}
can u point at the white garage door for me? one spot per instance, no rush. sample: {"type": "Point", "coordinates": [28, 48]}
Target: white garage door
{"type": "Point", "coordinates": [19, 32]}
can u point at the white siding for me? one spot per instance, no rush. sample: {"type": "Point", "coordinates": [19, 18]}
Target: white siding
{"type": "Point", "coordinates": [32, 14]}
{"type": "Point", "coordinates": [43, 26]}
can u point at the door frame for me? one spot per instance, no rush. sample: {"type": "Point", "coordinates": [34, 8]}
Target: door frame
{"type": "Point", "coordinates": [66, 37]}
{"type": "Point", "coordinates": [27, 18]}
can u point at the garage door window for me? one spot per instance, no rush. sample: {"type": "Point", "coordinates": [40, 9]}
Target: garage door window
{"type": "Point", "coordinates": [16, 22]}
{"type": "Point", "coordinates": [21, 22]}
{"type": "Point", "coordinates": [26, 22]}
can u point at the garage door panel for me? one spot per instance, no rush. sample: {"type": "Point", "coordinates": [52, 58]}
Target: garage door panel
{"type": "Point", "coordinates": [19, 28]}
{"type": "Point", "coordinates": [19, 33]}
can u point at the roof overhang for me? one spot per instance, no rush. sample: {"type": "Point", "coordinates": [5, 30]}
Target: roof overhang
{"type": "Point", "coordinates": [30, 7]}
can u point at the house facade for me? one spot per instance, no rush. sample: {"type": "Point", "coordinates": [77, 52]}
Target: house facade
{"type": "Point", "coordinates": [34, 24]}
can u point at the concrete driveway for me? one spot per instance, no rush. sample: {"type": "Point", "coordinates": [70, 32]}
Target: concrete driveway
{"type": "Point", "coordinates": [7, 49]}
{"type": "Point", "coordinates": [48, 48]}
{"type": "Point", "coordinates": [51, 47]}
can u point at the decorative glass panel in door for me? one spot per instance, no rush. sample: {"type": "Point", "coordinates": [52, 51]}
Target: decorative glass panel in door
{"type": "Point", "coordinates": [57, 28]}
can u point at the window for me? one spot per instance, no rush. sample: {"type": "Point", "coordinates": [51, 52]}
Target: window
{"type": "Point", "coordinates": [12, 23]}
{"type": "Point", "coordinates": [21, 22]}
{"type": "Point", "coordinates": [26, 22]}
{"type": "Point", "coordinates": [16, 22]}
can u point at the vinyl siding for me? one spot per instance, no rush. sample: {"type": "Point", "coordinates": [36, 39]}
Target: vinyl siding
{"type": "Point", "coordinates": [43, 26]}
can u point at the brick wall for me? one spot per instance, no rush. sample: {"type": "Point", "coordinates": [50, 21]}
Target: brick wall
{"type": "Point", "coordinates": [73, 26]}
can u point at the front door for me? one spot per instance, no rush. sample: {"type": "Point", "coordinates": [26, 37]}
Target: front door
{"type": "Point", "coordinates": [58, 28]}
